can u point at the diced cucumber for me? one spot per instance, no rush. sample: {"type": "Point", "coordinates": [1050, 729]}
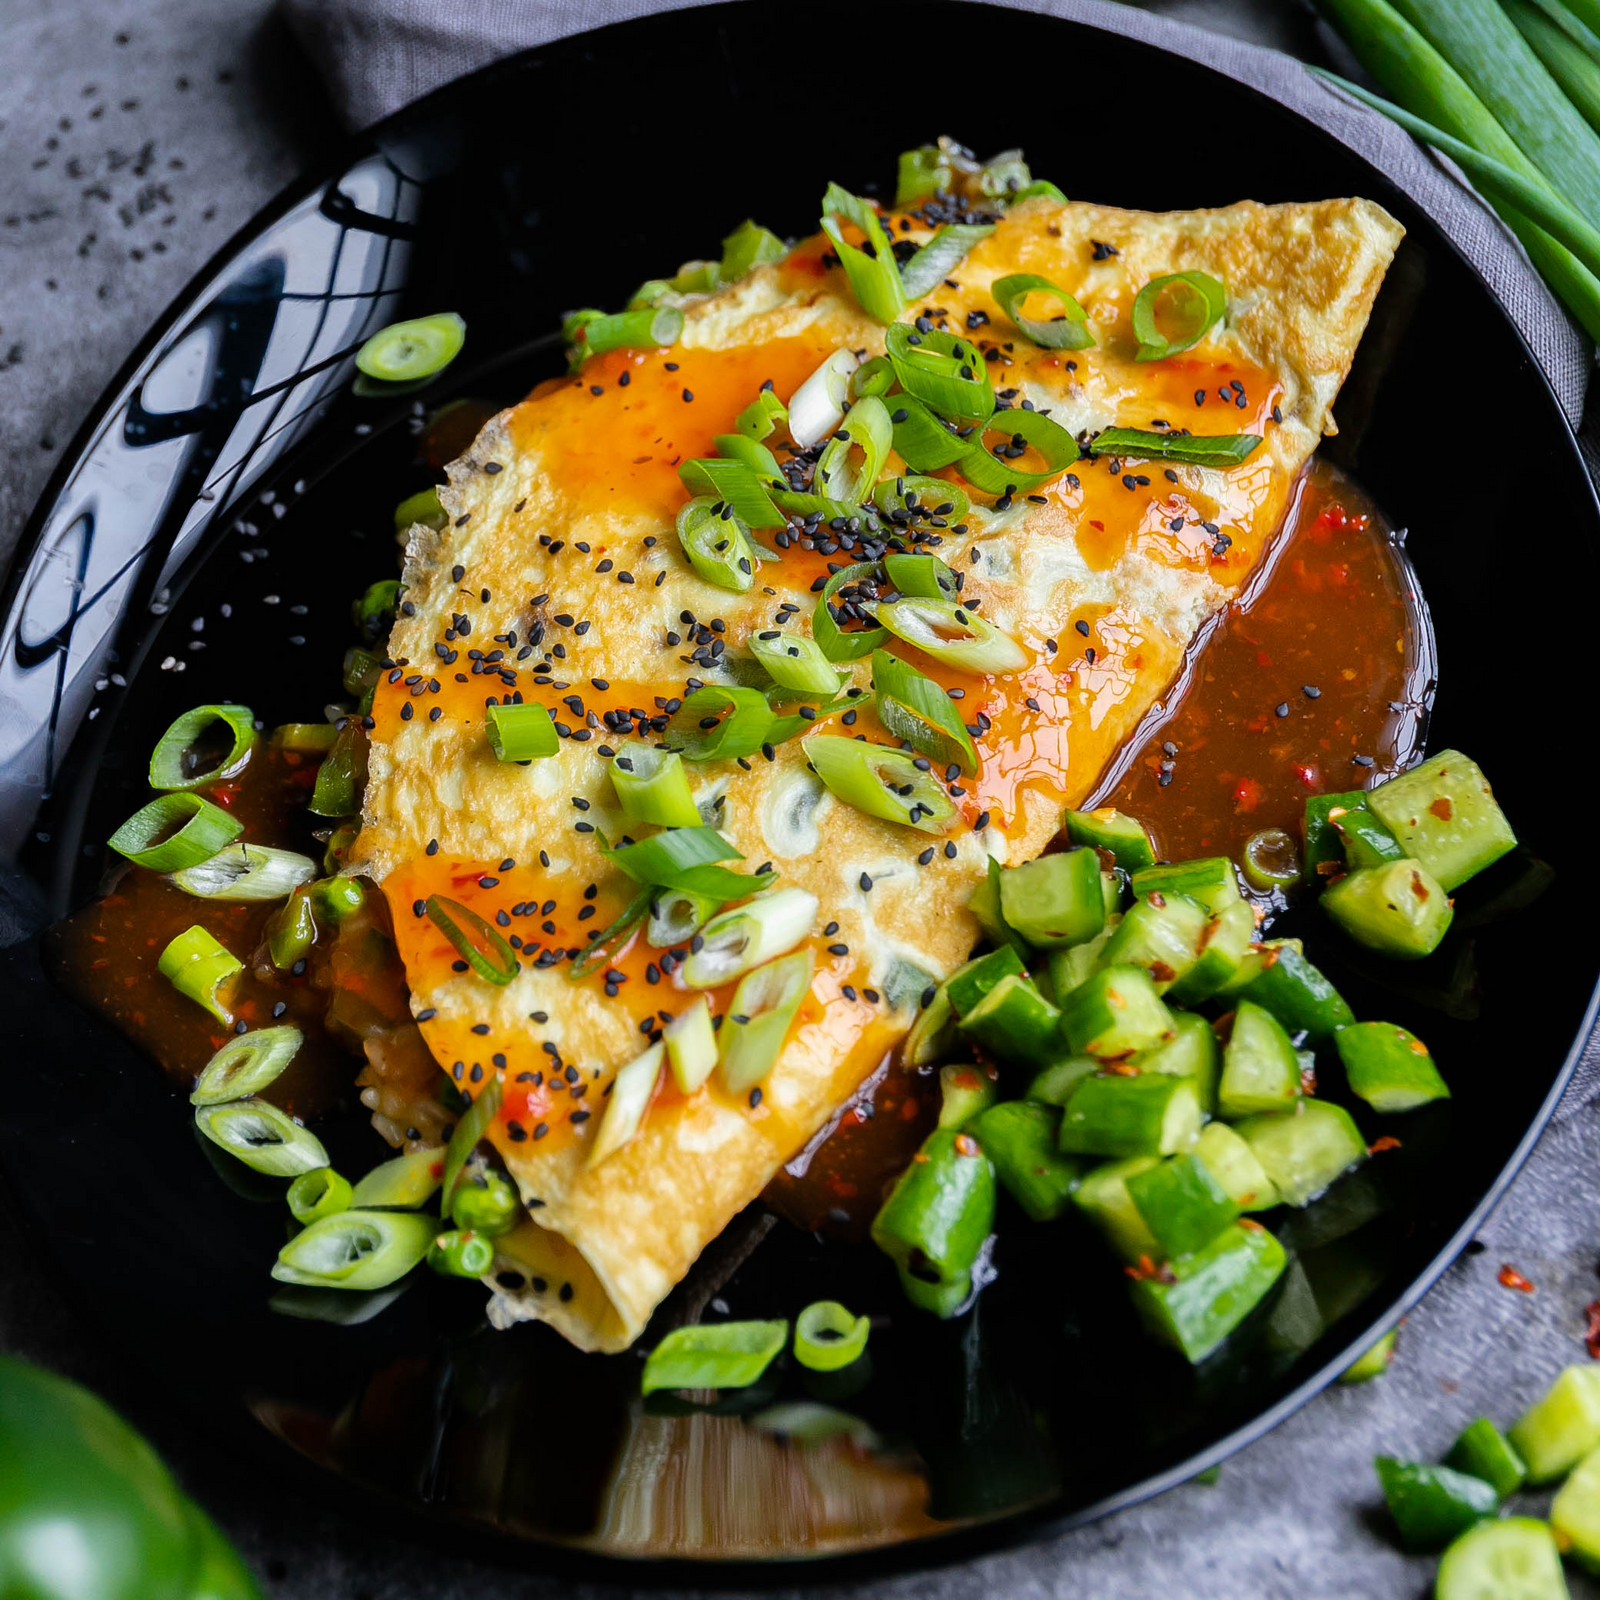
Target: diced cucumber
{"type": "Point", "coordinates": [1224, 945]}
{"type": "Point", "coordinates": [984, 904]}
{"type": "Point", "coordinates": [1123, 836]}
{"type": "Point", "coordinates": [1212, 881]}
{"type": "Point", "coordinates": [1297, 994]}
{"type": "Point", "coordinates": [1055, 900]}
{"type": "Point", "coordinates": [1182, 1204]}
{"type": "Point", "coordinates": [1055, 1085]}
{"type": "Point", "coordinates": [1191, 1052]}
{"type": "Point", "coordinates": [1161, 934]}
{"type": "Point", "coordinates": [1561, 1427]}
{"type": "Point", "coordinates": [1444, 815]}
{"type": "Point", "coordinates": [1071, 966]}
{"type": "Point", "coordinates": [1399, 909]}
{"type": "Point", "coordinates": [1256, 961]}
{"type": "Point", "coordinates": [1509, 1558]}
{"type": "Point", "coordinates": [1148, 1114]}
{"type": "Point", "coordinates": [1374, 1361]}
{"type": "Point", "coordinates": [1389, 1068]}
{"type": "Point", "coordinates": [1486, 1453]}
{"type": "Point", "coordinates": [1324, 847]}
{"type": "Point", "coordinates": [1113, 1013]}
{"type": "Point", "coordinates": [969, 984]}
{"type": "Point", "coordinates": [1212, 1291]}
{"type": "Point", "coordinates": [1233, 1164]}
{"type": "Point", "coordinates": [965, 1092]}
{"type": "Point", "coordinates": [1015, 1021]}
{"type": "Point", "coordinates": [1260, 1070]}
{"type": "Point", "coordinates": [1432, 1505]}
{"type": "Point", "coordinates": [1575, 1511]}
{"type": "Point", "coordinates": [1367, 843]}
{"type": "Point", "coordinates": [1102, 1196]}
{"type": "Point", "coordinates": [933, 1032]}
{"type": "Point", "coordinates": [1304, 1150]}
{"type": "Point", "coordinates": [1020, 1138]}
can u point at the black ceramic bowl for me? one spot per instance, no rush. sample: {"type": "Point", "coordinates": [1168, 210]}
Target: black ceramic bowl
{"type": "Point", "coordinates": [230, 460]}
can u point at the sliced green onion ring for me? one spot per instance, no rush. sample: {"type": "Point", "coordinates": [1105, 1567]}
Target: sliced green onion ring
{"type": "Point", "coordinates": [461, 1253]}
{"type": "Point", "coordinates": [924, 442]}
{"type": "Point", "coordinates": [816, 408]}
{"type": "Point", "coordinates": [795, 503]}
{"type": "Point", "coordinates": [373, 610]}
{"type": "Point", "coordinates": [422, 507]}
{"type": "Point", "coordinates": [246, 1065]}
{"type": "Point", "coordinates": [717, 543]}
{"type": "Point", "coordinates": [880, 782]}
{"type": "Point", "coordinates": [733, 483]}
{"type": "Point", "coordinates": [912, 499]}
{"type": "Point", "coordinates": [875, 276]}
{"type": "Point", "coordinates": [1271, 859]}
{"type": "Point", "coordinates": [733, 942]}
{"type": "Point", "coordinates": [1023, 429]}
{"type": "Point", "coordinates": [691, 1043]}
{"type": "Point", "coordinates": [525, 732]}
{"type": "Point", "coordinates": [474, 1124]}
{"type": "Point", "coordinates": [1068, 331]}
{"type": "Point", "coordinates": [716, 724]}
{"type": "Point", "coordinates": [1004, 175]}
{"type": "Point", "coordinates": [407, 351]}
{"type": "Point", "coordinates": [921, 576]}
{"type": "Point", "coordinates": [945, 371]}
{"type": "Point", "coordinates": [915, 708]}
{"type": "Point", "coordinates": [759, 1017]}
{"type": "Point", "coordinates": [246, 872]}
{"type": "Point", "coordinates": [752, 453]}
{"type": "Point", "coordinates": [687, 859]}
{"type": "Point", "coordinates": [850, 463]}
{"type": "Point", "coordinates": [794, 662]}
{"type": "Point", "coordinates": [828, 1337]}
{"type": "Point", "coordinates": [652, 787]}
{"type": "Point", "coordinates": [262, 1136]}
{"type": "Point", "coordinates": [626, 1104]}
{"type": "Point", "coordinates": [201, 969]}
{"type": "Point", "coordinates": [676, 915]}
{"type": "Point", "coordinates": [940, 256]}
{"type": "Point", "coordinates": [695, 277]}
{"type": "Point", "coordinates": [715, 1355]}
{"type": "Point", "coordinates": [952, 634]}
{"type": "Point", "coordinates": [749, 246]}
{"type": "Point", "coordinates": [834, 643]}
{"type": "Point", "coordinates": [1175, 312]}
{"type": "Point", "coordinates": [592, 333]}
{"type": "Point", "coordinates": [175, 831]}
{"type": "Point", "coordinates": [170, 760]}
{"type": "Point", "coordinates": [342, 775]}
{"type": "Point", "coordinates": [922, 172]}
{"type": "Point", "coordinates": [1198, 449]}
{"type": "Point", "coordinates": [356, 1249]}
{"type": "Point", "coordinates": [1039, 186]}
{"type": "Point", "coordinates": [306, 738]}
{"type": "Point", "coordinates": [320, 1193]}
{"type": "Point", "coordinates": [764, 414]}
{"type": "Point", "coordinates": [873, 377]}
{"type": "Point", "coordinates": [473, 939]}
{"type": "Point", "coordinates": [603, 946]}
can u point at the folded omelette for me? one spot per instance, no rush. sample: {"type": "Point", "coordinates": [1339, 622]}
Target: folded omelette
{"type": "Point", "coordinates": [559, 579]}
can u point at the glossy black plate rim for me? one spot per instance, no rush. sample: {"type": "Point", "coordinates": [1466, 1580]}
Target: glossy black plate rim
{"type": "Point", "coordinates": [1010, 1529]}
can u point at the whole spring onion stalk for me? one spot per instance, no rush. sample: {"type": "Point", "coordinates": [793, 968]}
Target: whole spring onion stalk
{"type": "Point", "coordinates": [1569, 51]}
{"type": "Point", "coordinates": [735, 941]}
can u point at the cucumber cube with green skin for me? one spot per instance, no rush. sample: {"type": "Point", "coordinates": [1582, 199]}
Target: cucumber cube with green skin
{"type": "Point", "coordinates": [967, 985]}
{"type": "Point", "coordinates": [1111, 886]}
{"type": "Point", "coordinates": [933, 1033]}
{"type": "Point", "coordinates": [937, 1216]}
{"type": "Point", "coordinates": [1234, 1165]}
{"type": "Point", "coordinates": [1055, 900]}
{"type": "Point", "coordinates": [1444, 815]}
{"type": "Point", "coordinates": [1114, 1012]}
{"type": "Point", "coordinates": [1432, 1505]}
{"type": "Point", "coordinates": [1260, 1070]}
{"type": "Point", "coordinates": [1304, 1150]}
{"type": "Point", "coordinates": [1160, 933]}
{"type": "Point", "coordinates": [1102, 1196]}
{"type": "Point", "coordinates": [984, 904]}
{"type": "Point", "coordinates": [1191, 1052]}
{"type": "Point", "coordinates": [1486, 1453]}
{"type": "Point", "coordinates": [1297, 994]}
{"type": "Point", "coordinates": [1367, 843]}
{"type": "Point", "coordinates": [1575, 1511]}
{"type": "Point", "coordinates": [1020, 1138]}
{"type": "Point", "coordinates": [1123, 836]}
{"type": "Point", "coordinates": [1210, 880]}
{"type": "Point", "coordinates": [1389, 1068]}
{"type": "Point", "coordinates": [1323, 845]}
{"type": "Point", "coordinates": [1213, 1290]}
{"type": "Point", "coordinates": [1561, 1427]}
{"type": "Point", "coordinates": [1502, 1558]}
{"type": "Point", "coordinates": [1224, 945]}
{"type": "Point", "coordinates": [965, 1092]}
{"type": "Point", "coordinates": [1058, 1082]}
{"type": "Point", "coordinates": [1070, 967]}
{"type": "Point", "coordinates": [1184, 1207]}
{"type": "Point", "coordinates": [1257, 959]}
{"type": "Point", "coordinates": [1015, 1021]}
{"type": "Point", "coordinates": [1148, 1114]}
{"type": "Point", "coordinates": [1400, 909]}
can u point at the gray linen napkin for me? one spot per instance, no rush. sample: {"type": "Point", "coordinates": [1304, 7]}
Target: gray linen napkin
{"type": "Point", "coordinates": [378, 55]}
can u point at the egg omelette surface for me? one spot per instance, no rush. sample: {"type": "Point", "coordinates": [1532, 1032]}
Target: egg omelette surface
{"type": "Point", "coordinates": [559, 577]}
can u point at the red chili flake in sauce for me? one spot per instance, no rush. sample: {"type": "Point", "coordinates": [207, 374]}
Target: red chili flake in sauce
{"type": "Point", "coordinates": [1387, 1142]}
{"type": "Point", "coordinates": [1591, 1334]}
{"type": "Point", "coordinates": [1510, 1278]}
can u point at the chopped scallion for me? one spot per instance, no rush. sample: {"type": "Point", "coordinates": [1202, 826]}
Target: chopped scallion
{"type": "Point", "coordinates": [1198, 449]}
{"type": "Point", "coordinates": [852, 459]}
{"type": "Point", "coordinates": [1068, 330]}
{"type": "Point", "coordinates": [880, 782]}
{"type": "Point", "coordinates": [996, 470]}
{"type": "Point", "coordinates": [828, 1337]}
{"type": "Point", "coordinates": [735, 941]}
{"type": "Point", "coordinates": [474, 1125]}
{"type": "Point", "coordinates": [943, 370]}
{"type": "Point", "coordinates": [795, 662]}
{"type": "Point", "coordinates": [736, 484]}
{"type": "Point", "coordinates": [717, 1355]}
{"type": "Point", "coordinates": [870, 267]}
{"type": "Point", "coordinates": [1175, 313]}
{"type": "Point", "coordinates": [759, 1017]}
{"type": "Point", "coordinates": [473, 939]}
{"type": "Point", "coordinates": [716, 724]}
{"type": "Point", "coordinates": [833, 641]}
{"type": "Point", "coordinates": [356, 1249]}
{"type": "Point", "coordinates": [940, 256]}
{"type": "Point", "coordinates": [631, 1092]}
{"type": "Point", "coordinates": [921, 576]}
{"type": "Point", "coordinates": [691, 1044]}
{"type": "Point", "coordinates": [319, 1193]}
{"type": "Point", "coordinates": [592, 333]}
{"type": "Point", "coordinates": [246, 1065]}
{"type": "Point", "coordinates": [201, 968]}
{"type": "Point", "coordinates": [651, 787]}
{"type": "Point", "coordinates": [173, 762]}
{"type": "Point", "coordinates": [175, 831]}
{"type": "Point", "coordinates": [605, 946]}
{"type": "Point", "coordinates": [525, 732]}
{"type": "Point", "coordinates": [915, 708]}
{"type": "Point", "coordinates": [765, 413]}
{"type": "Point", "coordinates": [262, 1137]}
{"type": "Point", "coordinates": [716, 541]}
{"type": "Point", "coordinates": [405, 352]}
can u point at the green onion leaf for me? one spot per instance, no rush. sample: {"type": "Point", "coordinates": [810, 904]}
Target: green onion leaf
{"type": "Point", "coordinates": [1200, 450]}
{"type": "Point", "coordinates": [423, 507]}
{"type": "Point", "coordinates": [686, 859]}
{"type": "Point", "coordinates": [626, 1104]}
{"type": "Point", "coordinates": [749, 246]}
{"type": "Point", "coordinates": [919, 576]}
{"type": "Point", "coordinates": [852, 459]}
{"type": "Point", "coordinates": [1039, 186]}
{"type": "Point", "coordinates": [652, 787]}
{"type": "Point", "coordinates": [879, 781]}
{"type": "Point", "coordinates": [175, 831]}
{"type": "Point", "coordinates": [797, 504]}
{"type": "Point", "coordinates": [789, 727]}
{"type": "Point", "coordinates": [759, 1017]}
{"type": "Point", "coordinates": [356, 1249]}
{"type": "Point", "coordinates": [407, 351]}
{"type": "Point", "coordinates": [1024, 430]}
{"type": "Point", "coordinates": [592, 333]}
{"type": "Point", "coordinates": [521, 732]}
{"type": "Point", "coordinates": [246, 1065]}
{"type": "Point", "coordinates": [716, 542]}
{"type": "Point", "coordinates": [940, 256]}
{"type": "Point", "coordinates": [751, 453]}
{"type": "Point", "coordinates": [949, 633]}
{"type": "Point", "coordinates": [474, 940]}
{"type": "Point", "coordinates": [1176, 312]}
{"type": "Point", "coordinates": [735, 941]}
{"type": "Point", "coordinates": [913, 500]}
{"type": "Point", "coordinates": [872, 271]}
{"type": "Point", "coordinates": [762, 415]}
{"type": "Point", "coordinates": [873, 377]}
{"type": "Point", "coordinates": [603, 947]}
{"type": "Point", "coordinates": [262, 1137]}
{"type": "Point", "coordinates": [923, 172]}
{"type": "Point", "coordinates": [306, 738]}
{"type": "Point", "coordinates": [173, 762]}
{"type": "Point", "coordinates": [794, 662]}
{"type": "Point", "coordinates": [716, 724]}
{"type": "Point", "coordinates": [474, 1124]}
{"type": "Point", "coordinates": [1068, 331]}
{"type": "Point", "coordinates": [944, 371]}
{"type": "Point", "coordinates": [717, 1355]}
{"type": "Point", "coordinates": [828, 1337]}
{"type": "Point", "coordinates": [925, 443]}
{"type": "Point", "coordinates": [320, 1193]}
{"type": "Point", "coordinates": [915, 708]}
{"type": "Point", "coordinates": [736, 484]}
{"type": "Point", "coordinates": [342, 775]}
{"type": "Point", "coordinates": [853, 584]}
{"type": "Point", "coordinates": [246, 872]}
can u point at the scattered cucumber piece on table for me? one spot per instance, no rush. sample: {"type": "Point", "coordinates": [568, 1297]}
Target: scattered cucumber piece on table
{"type": "Point", "coordinates": [1211, 1291]}
{"type": "Point", "coordinates": [1054, 900]}
{"type": "Point", "coordinates": [1433, 1505]}
{"type": "Point", "coordinates": [1399, 909]}
{"type": "Point", "coordinates": [1014, 1021]}
{"type": "Point", "coordinates": [1561, 1427]}
{"type": "Point", "coordinates": [1148, 1114]}
{"type": "Point", "coordinates": [1019, 1136]}
{"type": "Point", "coordinates": [1444, 815]}
{"type": "Point", "coordinates": [1303, 1151]}
{"type": "Point", "coordinates": [1233, 1164]}
{"type": "Point", "coordinates": [1575, 1511]}
{"type": "Point", "coordinates": [1260, 1068]}
{"type": "Point", "coordinates": [1510, 1558]}
{"type": "Point", "coordinates": [1297, 994]}
{"type": "Point", "coordinates": [1486, 1453]}
{"type": "Point", "coordinates": [965, 1092]}
{"type": "Point", "coordinates": [1182, 1204]}
{"type": "Point", "coordinates": [1123, 836]}
{"type": "Point", "coordinates": [1210, 880]}
{"type": "Point", "coordinates": [1103, 1198]}
{"type": "Point", "coordinates": [1389, 1068]}
{"type": "Point", "coordinates": [1373, 1362]}
{"type": "Point", "coordinates": [1160, 933]}
{"type": "Point", "coordinates": [1114, 1012]}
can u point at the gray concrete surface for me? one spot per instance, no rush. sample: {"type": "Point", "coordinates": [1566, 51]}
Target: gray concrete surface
{"type": "Point", "coordinates": [135, 137]}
